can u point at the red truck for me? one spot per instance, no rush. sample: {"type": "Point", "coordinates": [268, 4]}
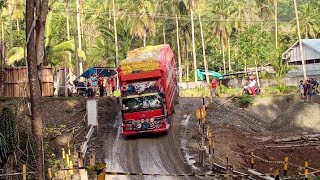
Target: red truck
{"type": "Point", "coordinates": [149, 90]}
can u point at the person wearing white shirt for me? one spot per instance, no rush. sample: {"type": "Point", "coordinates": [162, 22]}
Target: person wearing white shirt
{"type": "Point", "coordinates": [252, 85]}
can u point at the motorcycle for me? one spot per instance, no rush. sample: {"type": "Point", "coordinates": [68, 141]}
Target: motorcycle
{"type": "Point", "coordinates": [247, 91]}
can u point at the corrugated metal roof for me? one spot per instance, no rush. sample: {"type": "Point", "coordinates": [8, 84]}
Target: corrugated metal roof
{"type": "Point", "coordinates": [312, 43]}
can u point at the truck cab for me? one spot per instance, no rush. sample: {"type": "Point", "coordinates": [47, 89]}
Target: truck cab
{"type": "Point", "coordinates": [148, 90]}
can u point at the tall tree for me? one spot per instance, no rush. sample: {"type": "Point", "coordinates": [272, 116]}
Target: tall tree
{"type": "Point", "coordinates": [308, 20]}
{"type": "Point", "coordinates": [222, 13]}
{"type": "Point", "coordinates": [300, 42]}
{"type": "Point", "coordinates": [35, 38]}
{"type": "Point", "coordinates": [144, 21]}
{"type": "Point", "coordinates": [204, 50]}
{"type": "Point", "coordinates": [193, 42]}
{"type": "Point", "coordinates": [179, 55]}
{"type": "Point", "coordinates": [115, 32]}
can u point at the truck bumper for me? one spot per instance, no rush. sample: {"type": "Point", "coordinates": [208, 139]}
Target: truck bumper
{"type": "Point", "coordinates": [151, 131]}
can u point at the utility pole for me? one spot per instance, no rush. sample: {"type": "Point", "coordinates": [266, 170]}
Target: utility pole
{"type": "Point", "coordinates": [80, 70]}
{"type": "Point", "coordinates": [300, 42]}
{"type": "Point", "coordinates": [115, 33]}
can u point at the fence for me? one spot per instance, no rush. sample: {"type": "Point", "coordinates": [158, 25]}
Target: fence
{"type": "Point", "coordinates": [207, 156]}
{"type": "Point", "coordinates": [16, 82]}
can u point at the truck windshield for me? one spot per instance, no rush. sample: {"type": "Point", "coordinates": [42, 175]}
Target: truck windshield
{"type": "Point", "coordinates": [141, 103]}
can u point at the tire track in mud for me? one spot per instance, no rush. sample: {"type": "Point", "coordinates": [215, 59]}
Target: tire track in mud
{"type": "Point", "coordinates": [148, 153]}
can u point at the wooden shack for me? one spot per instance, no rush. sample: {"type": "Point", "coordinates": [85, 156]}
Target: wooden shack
{"type": "Point", "coordinates": [16, 82]}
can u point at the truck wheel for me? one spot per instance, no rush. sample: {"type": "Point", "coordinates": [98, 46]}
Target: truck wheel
{"type": "Point", "coordinates": [176, 98]}
{"type": "Point", "coordinates": [173, 111]}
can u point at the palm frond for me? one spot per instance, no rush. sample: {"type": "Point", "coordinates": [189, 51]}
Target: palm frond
{"type": "Point", "coordinates": [15, 54]}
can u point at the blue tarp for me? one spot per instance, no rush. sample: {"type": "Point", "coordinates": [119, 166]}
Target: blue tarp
{"type": "Point", "coordinates": [105, 72]}
{"type": "Point", "coordinates": [201, 74]}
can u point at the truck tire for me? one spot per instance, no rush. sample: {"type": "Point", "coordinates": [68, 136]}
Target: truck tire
{"type": "Point", "coordinates": [173, 110]}
{"type": "Point", "coordinates": [176, 98]}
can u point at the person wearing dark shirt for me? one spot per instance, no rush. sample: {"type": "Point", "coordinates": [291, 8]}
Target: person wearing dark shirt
{"type": "Point", "coordinates": [100, 84]}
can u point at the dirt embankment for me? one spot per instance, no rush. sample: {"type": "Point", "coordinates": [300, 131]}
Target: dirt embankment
{"type": "Point", "coordinates": [238, 131]}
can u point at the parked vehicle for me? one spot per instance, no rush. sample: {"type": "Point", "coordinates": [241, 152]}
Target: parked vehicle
{"type": "Point", "coordinates": [149, 89]}
{"type": "Point", "coordinates": [247, 91]}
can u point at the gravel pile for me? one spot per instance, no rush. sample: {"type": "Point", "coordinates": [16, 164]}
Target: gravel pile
{"type": "Point", "coordinates": [228, 113]}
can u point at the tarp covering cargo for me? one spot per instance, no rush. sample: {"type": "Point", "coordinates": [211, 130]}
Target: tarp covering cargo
{"type": "Point", "coordinates": [147, 59]}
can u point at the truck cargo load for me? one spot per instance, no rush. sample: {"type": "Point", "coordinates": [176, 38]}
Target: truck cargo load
{"type": "Point", "coordinates": [149, 88]}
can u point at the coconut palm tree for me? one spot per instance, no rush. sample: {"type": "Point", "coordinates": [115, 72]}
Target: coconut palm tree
{"type": "Point", "coordinates": [55, 53]}
{"type": "Point", "coordinates": [144, 12]}
{"type": "Point", "coordinates": [308, 18]}
{"type": "Point", "coordinates": [221, 12]}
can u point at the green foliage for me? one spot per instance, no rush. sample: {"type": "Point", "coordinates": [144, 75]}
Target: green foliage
{"type": "Point", "coordinates": [8, 126]}
{"type": "Point", "coordinates": [4, 149]}
{"type": "Point", "coordinates": [246, 100]}
{"type": "Point", "coordinates": [15, 54]}
{"type": "Point", "coordinates": [247, 24]}
{"type": "Point", "coordinates": [196, 92]}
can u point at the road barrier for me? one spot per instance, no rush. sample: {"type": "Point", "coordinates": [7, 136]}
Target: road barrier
{"type": "Point", "coordinates": [207, 155]}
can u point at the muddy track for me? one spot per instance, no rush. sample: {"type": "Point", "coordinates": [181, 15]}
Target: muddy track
{"type": "Point", "coordinates": [160, 154]}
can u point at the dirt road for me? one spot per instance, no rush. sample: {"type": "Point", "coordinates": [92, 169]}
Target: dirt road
{"type": "Point", "coordinates": [160, 154]}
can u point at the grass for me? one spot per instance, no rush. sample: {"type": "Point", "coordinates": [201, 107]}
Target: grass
{"type": "Point", "coordinates": [196, 92]}
{"type": "Point", "coordinates": [225, 91]}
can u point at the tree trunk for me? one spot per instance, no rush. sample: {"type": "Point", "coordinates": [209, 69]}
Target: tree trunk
{"type": "Point", "coordinates": [115, 33]}
{"type": "Point", "coordinates": [41, 13]}
{"type": "Point", "coordinates": [204, 52]}
{"type": "Point", "coordinates": [35, 92]}
{"type": "Point", "coordinates": [300, 43]}
{"type": "Point", "coordinates": [69, 73]}
{"type": "Point", "coordinates": [306, 34]}
{"type": "Point", "coordinates": [144, 38]}
{"type": "Point", "coordinates": [76, 47]}
{"type": "Point", "coordinates": [164, 31]}
{"type": "Point", "coordinates": [187, 60]}
{"type": "Point", "coordinates": [193, 46]}
{"type": "Point", "coordinates": [179, 55]}
{"type": "Point", "coordinates": [223, 58]}
{"type": "Point", "coordinates": [229, 56]}
{"type": "Point", "coordinates": [10, 23]}
{"type": "Point", "coordinates": [80, 70]}
{"type": "Point", "coordinates": [18, 26]}
{"type": "Point", "coordinates": [257, 73]}
{"type": "Point", "coordinates": [2, 32]}
{"type": "Point", "coordinates": [276, 22]}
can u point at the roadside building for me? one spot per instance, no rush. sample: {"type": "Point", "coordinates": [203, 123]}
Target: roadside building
{"type": "Point", "coordinates": [311, 55]}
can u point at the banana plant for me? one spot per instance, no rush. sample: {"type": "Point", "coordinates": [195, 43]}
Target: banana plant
{"type": "Point", "coordinates": [55, 53]}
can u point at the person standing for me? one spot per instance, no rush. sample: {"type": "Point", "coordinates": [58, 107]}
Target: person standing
{"type": "Point", "coordinates": [100, 84]}
{"type": "Point", "coordinates": [94, 81]}
{"type": "Point", "coordinates": [109, 86]}
{"type": "Point", "coordinates": [310, 91]}
{"type": "Point", "coordinates": [214, 85]}
{"type": "Point", "coordinates": [302, 90]}
{"type": "Point", "coordinates": [113, 84]}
